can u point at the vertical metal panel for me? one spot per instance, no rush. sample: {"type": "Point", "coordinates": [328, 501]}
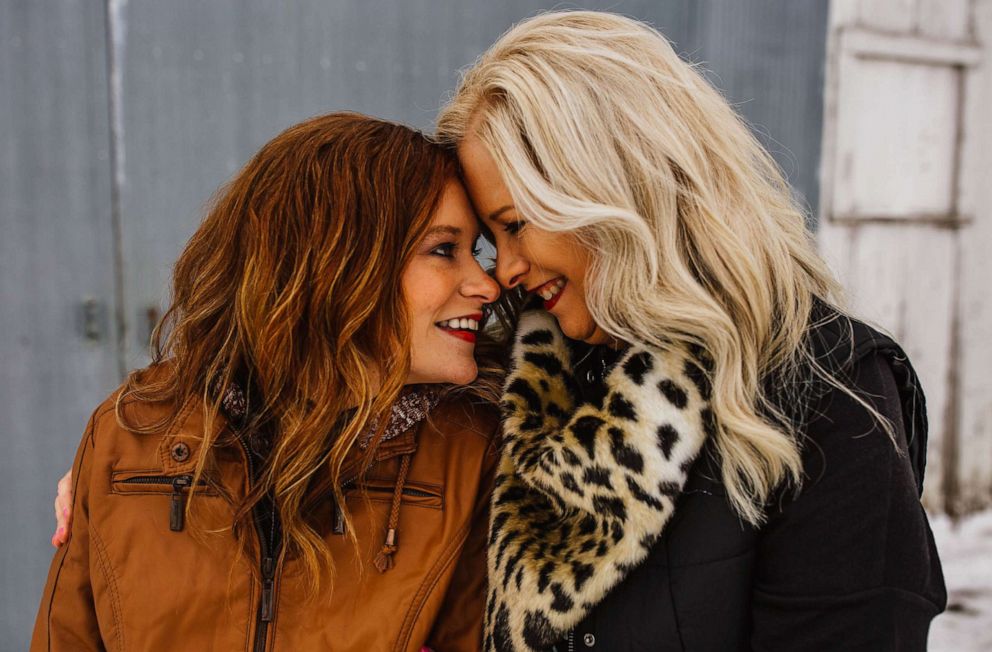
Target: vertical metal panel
{"type": "Point", "coordinates": [768, 58]}
{"type": "Point", "coordinates": [54, 255]}
{"type": "Point", "coordinates": [202, 86]}
{"type": "Point", "coordinates": [205, 84]}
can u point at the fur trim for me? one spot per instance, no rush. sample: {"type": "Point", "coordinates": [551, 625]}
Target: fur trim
{"type": "Point", "coordinates": [582, 493]}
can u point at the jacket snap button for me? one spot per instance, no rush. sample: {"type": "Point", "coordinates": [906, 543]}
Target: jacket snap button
{"type": "Point", "coordinates": [589, 640]}
{"type": "Point", "coordinates": [591, 378]}
{"type": "Point", "coordinates": [180, 452]}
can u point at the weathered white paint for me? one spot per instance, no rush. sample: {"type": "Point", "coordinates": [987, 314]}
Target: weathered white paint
{"type": "Point", "coordinates": [894, 15]}
{"type": "Point", "coordinates": [911, 49]}
{"type": "Point", "coordinates": [905, 210]}
{"type": "Point", "coordinates": [975, 429]}
{"type": "Point", "coordinates": [903, 284]}
{"type": "Point", "coordinates": [943, 19]}
{"type": "Point", "coordinates": [947, 19]}
{"type": "Point", "coordinates": [897, 128]}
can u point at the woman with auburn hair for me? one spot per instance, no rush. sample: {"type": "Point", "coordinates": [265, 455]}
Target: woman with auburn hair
{"type": "Point", "coordinates": [702, 450]}
{"type": "Point", "coordinates": [296, 470]}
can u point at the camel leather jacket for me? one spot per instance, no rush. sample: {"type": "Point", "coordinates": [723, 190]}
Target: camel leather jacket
{"type": "Point", "coordinates": [138, 573]}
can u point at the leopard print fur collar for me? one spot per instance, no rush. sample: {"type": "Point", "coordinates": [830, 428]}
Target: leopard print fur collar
{"type": "Point", "coordinates": [583, 492]}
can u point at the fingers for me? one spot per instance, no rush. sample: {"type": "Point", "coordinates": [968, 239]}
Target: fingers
{"type": "Point", "coordinates": [63, 510]}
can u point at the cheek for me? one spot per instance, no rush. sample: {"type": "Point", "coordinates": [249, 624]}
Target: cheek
{"type": "Point", "coordinates": [423, 293]}
{"type": "Point", "coordinates": [552, 252]}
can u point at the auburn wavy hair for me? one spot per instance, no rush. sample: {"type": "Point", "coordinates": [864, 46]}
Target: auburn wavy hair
{"type": "Point", "coordinates": [292, 287]}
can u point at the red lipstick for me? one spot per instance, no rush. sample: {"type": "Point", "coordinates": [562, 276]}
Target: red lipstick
{"type": "Point", "coordinates": [550, 303]}
{"type": "Point", "coordinates": [461, 333]}
{"type": "Point", "coordinates": [468, 336]}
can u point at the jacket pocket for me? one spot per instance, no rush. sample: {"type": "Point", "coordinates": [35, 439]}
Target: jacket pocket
{"type": "Point", "coordinates": [415, 494]}
{"type": "Point", "coordinates": [129, 483]}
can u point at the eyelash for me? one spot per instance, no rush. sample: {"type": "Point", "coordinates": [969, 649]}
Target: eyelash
{"type": "Point", "coordinates": [448, 249]}
{"type": "Point", "coordinates": [513, 228]}
{"type": "Point", "coordinates": [445, 250]}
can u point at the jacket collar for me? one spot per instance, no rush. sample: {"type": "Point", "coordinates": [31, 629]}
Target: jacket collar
{"type": "Point", "coordinates": [399, 438]}
{"type": "Point", "coordinates": [583, 490]}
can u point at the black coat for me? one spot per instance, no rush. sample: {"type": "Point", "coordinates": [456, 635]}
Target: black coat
{"type": "Point", "coordinates": [847, 563]}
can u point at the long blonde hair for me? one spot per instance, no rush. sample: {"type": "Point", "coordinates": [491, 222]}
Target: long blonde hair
{"type": "Point", "coordinates": [600, 129]}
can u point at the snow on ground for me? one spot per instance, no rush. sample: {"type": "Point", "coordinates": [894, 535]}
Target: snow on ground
{"type": "Point", "coordinates": [965, 551]}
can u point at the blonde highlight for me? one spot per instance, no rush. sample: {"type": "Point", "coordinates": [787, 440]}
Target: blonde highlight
{"type": "Point", "coordinates": [291, 288]}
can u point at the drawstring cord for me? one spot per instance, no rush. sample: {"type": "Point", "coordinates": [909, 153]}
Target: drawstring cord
{"type": "Point", "coordinates": [384, 560]}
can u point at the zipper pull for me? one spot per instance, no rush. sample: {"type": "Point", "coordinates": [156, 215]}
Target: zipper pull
{"type": "Point", "coordinates": [268, 570]}
{"type": "Point", "coordinates": [177, 513]}
{"type": "Point", "coordinates": [337, 518]}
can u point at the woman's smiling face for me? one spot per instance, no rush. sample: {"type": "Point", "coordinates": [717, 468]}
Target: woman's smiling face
{"type": "Point", "coordinates": [445, 289]}
{"type": "Point", "coordinates": [551, 264]}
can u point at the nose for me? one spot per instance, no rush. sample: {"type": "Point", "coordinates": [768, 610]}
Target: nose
{"type": "Point", "coordinates": [481, 285]}
{"type": "Point", "coordinates": [510, 267]}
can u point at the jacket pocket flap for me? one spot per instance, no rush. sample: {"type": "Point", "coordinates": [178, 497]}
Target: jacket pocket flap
{"type": "Point", "coordinates": [156, 481]}
{"type": "Point", "coordinates": [418, 494]}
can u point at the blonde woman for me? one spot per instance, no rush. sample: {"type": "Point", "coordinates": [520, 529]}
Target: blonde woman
{"type": "Point", "coordinates": [702, 451]}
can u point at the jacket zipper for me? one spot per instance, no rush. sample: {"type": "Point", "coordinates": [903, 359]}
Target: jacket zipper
{"type": "Point", "coordinates": [180, 483]}
{"type": "Point", "coordinates": [571, 640]}
{"type": "Point", "coordinates": [266, 604]}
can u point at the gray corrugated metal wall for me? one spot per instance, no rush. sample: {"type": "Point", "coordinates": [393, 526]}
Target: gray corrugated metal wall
{"type": "Point", "coordinates": [55, 253]}
{"type": "Point", "coordinates": [197, 88]}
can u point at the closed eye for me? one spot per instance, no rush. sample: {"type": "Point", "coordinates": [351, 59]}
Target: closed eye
{"type": "Point", "coordinates": [514, 228]}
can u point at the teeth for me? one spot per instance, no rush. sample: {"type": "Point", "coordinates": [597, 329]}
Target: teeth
{"type": "Point", "coordinates": [552, 290]}
{"type": "Point", "coordinates": [461, 324]}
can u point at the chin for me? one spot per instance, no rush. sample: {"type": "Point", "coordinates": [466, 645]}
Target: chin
{"type": "Point", "coordinates": [462, 373]}
{"type": "Point", "coordinates": [465, 376]}
{"type": "Point", "coordinates": [573, 331]}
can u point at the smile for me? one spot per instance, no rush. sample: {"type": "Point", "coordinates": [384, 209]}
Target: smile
{"type": "Point", "coordinates": [464, 328]}
{"type": "Point", "coordinates": [551, 291]}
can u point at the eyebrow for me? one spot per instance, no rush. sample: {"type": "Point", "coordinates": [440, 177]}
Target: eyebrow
{"type": "Point", "coordinates": [499, 211]}
{"type": "Point", "coordinates": [445, 229]}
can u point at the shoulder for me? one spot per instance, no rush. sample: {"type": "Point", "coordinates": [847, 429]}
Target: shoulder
{"type": "Point", "coordinates": [460, 441]}
{"type": "Point", "coordinates": [467, 415]}
{"type": "Point", "coordinates": [873, 367]}
{"type": "Point", "coordinates": [855, 523]}
{"type": "Point", "coordinates": [124, 416]}
{"type": "Point", "coordinates": [838, 341]}
{"type": "Point", "coordinates": [462, 428]}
